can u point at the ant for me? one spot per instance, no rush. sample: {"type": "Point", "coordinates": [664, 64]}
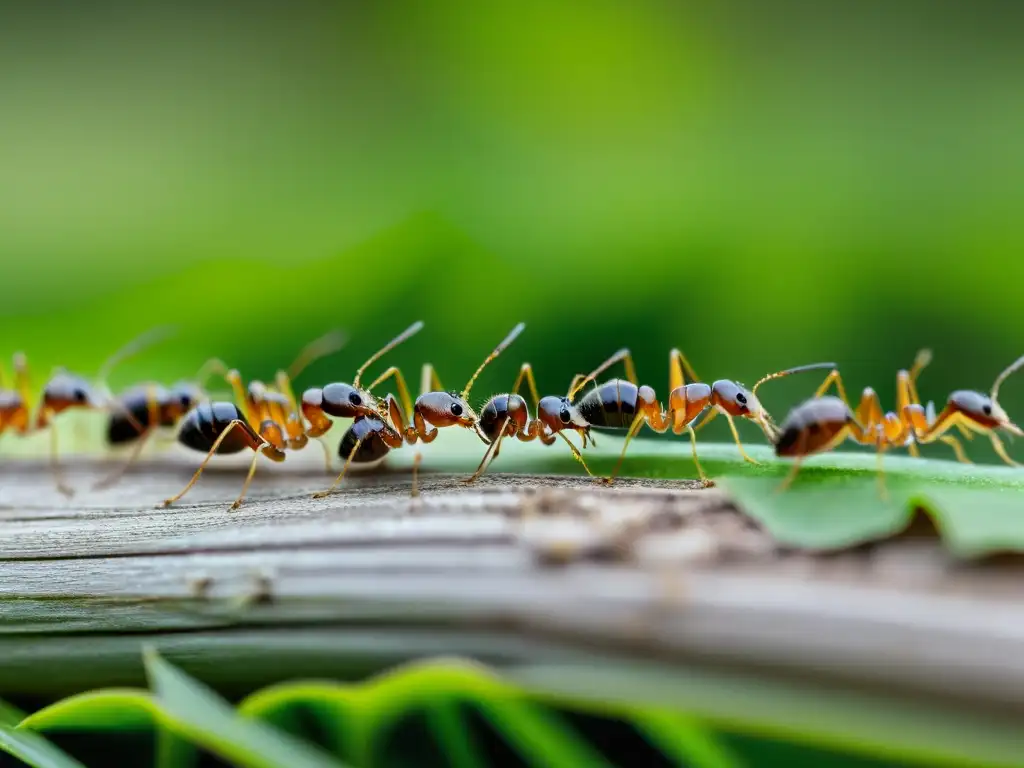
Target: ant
{"type": "Point", "coordinates": [147, 408]}
{"type": "Point", "coordinates": [822, 423]}
{"type": "Point", "coordinates": [507, 415]}
{"type": "Point", "coordinates": [63, 392]}
{"type": "Point", "coordinates": [263, 426]}
{"type": "Point", "coordinates": [372, 437]}
{"type": "Point", "coordinates": [625, 404]}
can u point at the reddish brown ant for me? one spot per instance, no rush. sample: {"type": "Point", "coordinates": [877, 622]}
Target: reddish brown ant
{"type": "Point", "coordinates": [147, 408]}
{"type": "Point", "coordinates": [822, 423]}
{"type": "Point", "coordinates": [624, 404]}
{"type": "Point", "coordinates": [265, 425]}
{"type": "Point", "coordinates": [372, 437]}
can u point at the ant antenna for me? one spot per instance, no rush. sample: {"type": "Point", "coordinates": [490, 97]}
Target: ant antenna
{"type": "Point", "coordinates": [328, 344]}
{"type": "Point", "coordinates": [1010, 369]}
{"type": "Point", "coordinates": [497, 351]}
{"type": "Point", "coordinates": [133, 347]}
{"type": "Point", "coordinates": [412, 330]}
{"type": "Point", "coordinates": [790, 371]}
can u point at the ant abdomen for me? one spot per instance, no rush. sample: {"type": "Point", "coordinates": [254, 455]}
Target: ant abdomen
{"type": "Point", "coordinates": [813, 426]}
{"type": "Point", "coordinates": [132, 416]}
{"type": "Point", "coordinates": [614, 403]}
{"type": "Point", "coordinates": [205, 423]}
{"type": "Point", "coordinates": [499, 409]}
{"type": "Point", "coordinates": [368, 434]}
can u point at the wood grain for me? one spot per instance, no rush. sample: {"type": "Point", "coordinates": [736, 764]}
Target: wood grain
{"type": "Point", "coordinates": [518, 569]}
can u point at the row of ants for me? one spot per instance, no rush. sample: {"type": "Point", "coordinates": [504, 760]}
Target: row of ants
{"type": "Point", "coordinates": [269, 420]}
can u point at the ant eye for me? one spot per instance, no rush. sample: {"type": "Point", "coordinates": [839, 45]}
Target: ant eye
{"type": "Point", "coordinates": [564, 415]}
{"type": "Point", "coordinates": [741, 398]}
{"type": "Point", "coordinates": [354, 398]}
{"type": "Point", "coordinates": [986, 409]}
{"type": "Point", "coordinates": [456, 409]}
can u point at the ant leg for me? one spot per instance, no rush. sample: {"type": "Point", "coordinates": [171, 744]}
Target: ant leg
{"type": "Point", "coordinates": [915, 452]}
{"type": "Point", "coordinates": [800, 453]}
{"type": "Point", "coordinates": [341, 476]}
{"type": "Point", "coordinates": [575, 451]}
{"type": "Point", "coordinates": [700, 470]}
{"type": "Point", "coordinates": [526, 372]}
{"type": "Point", "coordinates": [882, 491]}
{"type": "Point", "coordinates": [233, 424]}
{"type": "Point", "coordinates": [267, 451]}
{"type": "Point", "coordinates": [58, 474]}
{"type": "Point", "coordinates": [638, 422]}
{"type": "Point", "coordinates": [429, 382]}
{"type": "Point", "coordinates": [623, 355]}
{"type": "Point", "coordinates": [403, 389]}
{"type": "Point", "coordinates": [234, 378]}
{"type": "Point", "coordinates": [153, 409]}
{"type": "Point", "coordinates": [488, 453]}
{"type": "Point", "coordinates": [736, 437]}
{"type": "Point", "coordinates": [1001, 450]}
{"type": "Point", "coordinates": [328, 461]}
{"type": "Point", "coordinates": [21, 379]}
{"type": "Point", "coordinates": [416, 460]}
{"type": "Point", "coordinates": [677, 365]}
{"type": "Point", "coordinates": [833, 378]}
{"type": "Point", "coordinates": [213, 366]}
{"type": "Point", "coordinates": [710, 417]}
{"type": "Point", "coordinates": [957, 447]}
{"type": "Point", "coordinates": [114, 477]}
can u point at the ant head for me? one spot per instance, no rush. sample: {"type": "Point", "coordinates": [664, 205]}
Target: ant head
{"type": "Point", "coordinates": [735, 399]}
{"type": "Point", "coordinates": [558, 413]}
{"type": "Point", "coordinates": [446, 409]}
{"type": "Point", "coordinates": [345, 401]}
{"type": "Point", "coordinates": [66, 390]}
{"type": "Point", "coordinates": [982, 410]}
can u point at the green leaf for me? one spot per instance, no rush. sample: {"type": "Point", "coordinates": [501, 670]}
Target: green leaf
{"type": "Point", "coordinates": [34, 750]}
{"type": "Point", "coordinates": [112, 709]}
{"type": "Point", "coordinates": [194, 712]}
{"type": "Point", "coordinates": [683, 738]}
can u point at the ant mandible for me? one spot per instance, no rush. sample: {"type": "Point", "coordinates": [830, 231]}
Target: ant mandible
{"type": "Point", "coordinates": [225, 428]}
{"type": "Point", "coordinates": [372, 437]}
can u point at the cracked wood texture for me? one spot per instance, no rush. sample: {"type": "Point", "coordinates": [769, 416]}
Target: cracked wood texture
{"type": "Point", "coordinates": [516, 569]}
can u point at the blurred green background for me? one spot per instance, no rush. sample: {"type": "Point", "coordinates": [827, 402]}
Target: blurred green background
{"type": "Point", "coordinates": [761, 184]}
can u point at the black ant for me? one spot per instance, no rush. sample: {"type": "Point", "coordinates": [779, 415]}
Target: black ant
{"type": "Point", "coordinates": [147, 408]}
{"type": "Point", "coordinates": [221, 427]}
{"type": "Point", "coordinates": [625, 404]}
{"type": "Point", "coordinates": [370, 438]}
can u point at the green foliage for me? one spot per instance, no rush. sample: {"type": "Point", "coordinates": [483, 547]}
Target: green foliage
{"type": "Point", "coordinates": [443, 713]}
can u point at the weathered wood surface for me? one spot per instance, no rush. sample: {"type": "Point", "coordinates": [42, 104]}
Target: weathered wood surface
{"type": "Point", "coordinates": [513, 570]}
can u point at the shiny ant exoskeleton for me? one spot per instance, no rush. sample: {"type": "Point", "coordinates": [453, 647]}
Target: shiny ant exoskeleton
{"type": "Point", "coordinates": [370, 438]}
{"type": "Point", "coordinates": [270, 420]}
{"type": "Point", "coordinates": [145, 409]}
{"type": "Point", "coordinates": [65, 392]}
{"type": "Point", "coordinates": [823, 422]}
{"type": "Point", "coordinates": [625, 404]}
